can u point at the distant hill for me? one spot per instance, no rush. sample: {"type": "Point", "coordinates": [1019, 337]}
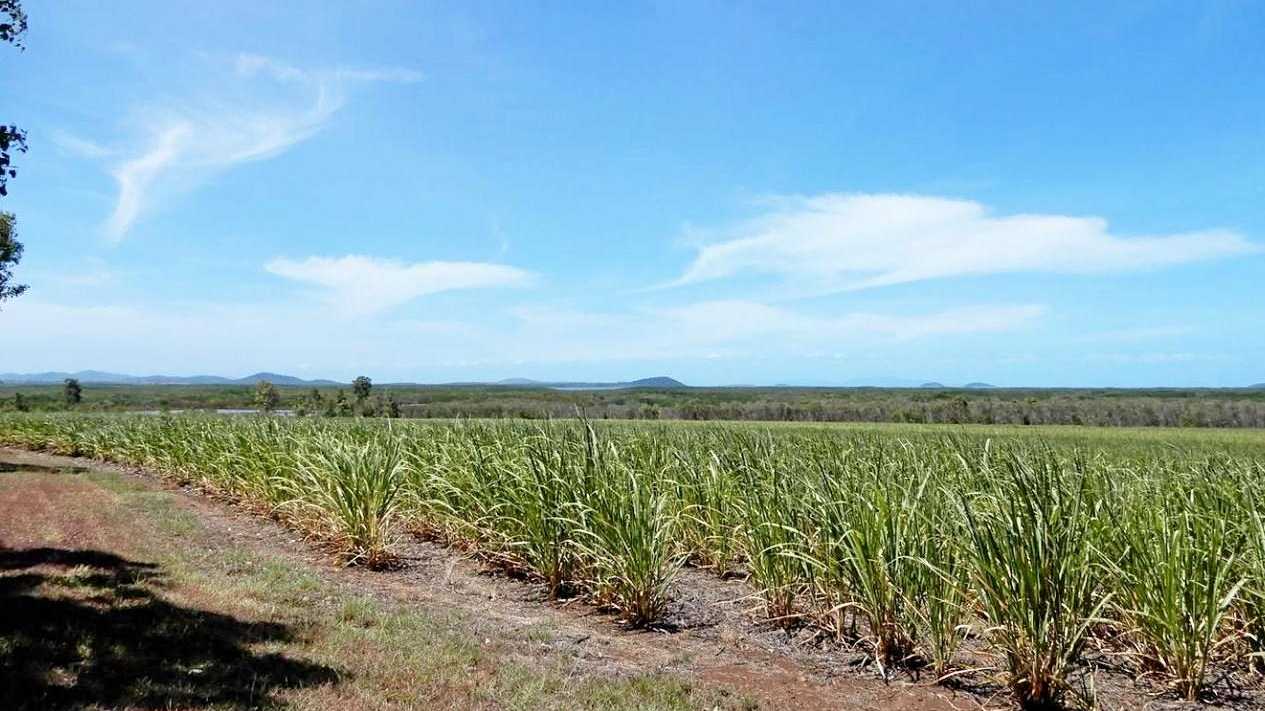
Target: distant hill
{"type": "Point", "coordinates": [279, 379]}
{"type": "Point", "coordinates": [932, 385]}
{"type": "Point", "coordinates": [104, 378]}
{"type": "Point", "coordinates": [99, 377]}
{"type": "Point", "coordinates": [661, 381]}
{"type": "Point", "coordinates": [979, 386]}
{"type": "Point", "coordinates": [876, 382]}
{"type": "Point", "coordinates": [658, 382]}
{"type": "Point", "coordinates": [1258, 386]}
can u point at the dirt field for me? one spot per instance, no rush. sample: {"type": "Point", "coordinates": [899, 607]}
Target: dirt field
{"type": "Point", "coordinates": [116, 592]}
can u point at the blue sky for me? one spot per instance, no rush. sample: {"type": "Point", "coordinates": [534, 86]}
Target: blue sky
{"type": "Point", "coordinates": [724, 193]}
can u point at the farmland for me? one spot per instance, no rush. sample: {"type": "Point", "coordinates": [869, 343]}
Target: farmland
{"type": "Point", "coordinates": [1052, 553]}
{"type": "Point", "coordinates": [1101, 407]}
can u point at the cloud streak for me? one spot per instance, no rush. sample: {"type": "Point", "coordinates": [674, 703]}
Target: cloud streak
{"type": "Point", "coordinates": [844, 242]}
{"type": "Point", "coordinates": [183, 143]}
{"type": "Point", "coordinates": [246, 337]}
{"type": "Point", "coordinates": [74, 145]}
{"type": "Point", "coordinates": [744, 328]}
{"type": "Point", "coordinates": [738, 320]}
{"type": "Point", "coordinates": [364, 285]}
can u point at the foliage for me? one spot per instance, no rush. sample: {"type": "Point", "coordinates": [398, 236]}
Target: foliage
{"type": "Point", "coordinates": [314, 403]}
{"type": "Point", "coordinates": [10, 254]}
{"type": "Point", "coordinates": [1032, 569]}
{"type": "Point", "coordinates": [1192, 409]}
{"type": "Point", "coordinates": [72, 392]}
{"type": "Point", "coordinates": [12, 139]}
{"type": "Point", "coordinates": [266, 396]}
{"type": "Point", "coordinates": [360, 387]}
{"type": "Point", "coordinates": [12, 22]}
{"type": "Point", "coordinates": [1254, 594]}
{"type": "Point", "coordinates": [1177, 580]}
{"type": "Point", "coordinates": [353, 488]}
{"type": "Point", "coordinates": [340, 407]}
{"type": "Point", "coordinates": [627, 535]}
{"type": "Point", "coordinates": [882, 551]}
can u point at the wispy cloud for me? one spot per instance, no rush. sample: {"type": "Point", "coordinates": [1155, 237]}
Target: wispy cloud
{"type": "Point", "coordinates": [842, 242]}
{"type": "Point", "coordinates": [730, 320]}
{"type": "Point", "coordinates": [88, 272]}
{"type": "Point", "coordinates": [136, 175]}
{"type": "Point", "coordinates": [246, 337]}
{"type": "Point", "coordinates": [230, 338]}
{"type": "Point", "coordinates": [359, 284]}
{"type": "Point", "coordinates": [182, 142]}
{"type": "Point", "coordinates": [74, 145]}
{"type": "Point", "coordinates": [741, 327]}
{"type": "Point", "coordinates": [1137, 333]}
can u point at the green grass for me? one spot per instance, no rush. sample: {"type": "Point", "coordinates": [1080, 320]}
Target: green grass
{"type": "Point", "coordinates": [1031, 562]}
{"type": "Point", "coordinates": [353, 489]}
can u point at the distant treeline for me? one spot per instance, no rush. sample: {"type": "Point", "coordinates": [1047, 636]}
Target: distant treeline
{"type": "Point", "coordinates": [1097, 407]}
{"type": "Point", "coordinates": [1001, 407]}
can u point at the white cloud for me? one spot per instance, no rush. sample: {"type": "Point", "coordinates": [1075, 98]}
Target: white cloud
{"type": "Point", "coordinates": [136, 175]}
{"type": "Point", "coordinates": [252, 64]}
{"type": "Point", "coordinates": [736, 320]}
{"type": "Point", "coordinates": [184, 142]}
{"type": "Point", "coordinates": [739, 328]}
{"type": "Point", "coordinates": [229, 338]}
{"type": "Point", "coordinates": [841, 242]}
{"type": "Point", "coordinates": [359, 284]}
{"type": "Point", "coordinates": [223, 339]}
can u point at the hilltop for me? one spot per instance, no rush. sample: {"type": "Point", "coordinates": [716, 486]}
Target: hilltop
{"type": "Point", "coordinates": [99, 377]}
{"type": "Point", "coordinates": [660, 382]}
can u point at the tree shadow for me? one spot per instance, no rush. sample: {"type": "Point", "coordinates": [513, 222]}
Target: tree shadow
{"type": "Point", "coordinates": [84, 628]}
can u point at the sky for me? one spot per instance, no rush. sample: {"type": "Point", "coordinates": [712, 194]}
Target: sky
{"type": "Point", "coordinates": [1039, 194]}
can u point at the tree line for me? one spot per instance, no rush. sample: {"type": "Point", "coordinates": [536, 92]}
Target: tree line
{"type": "Point", "coordinates": [1099, 410]}
{"type": "Point", "coordinates": [1102, 408]}
{"type": "Point", "coordinates": [267, 399]}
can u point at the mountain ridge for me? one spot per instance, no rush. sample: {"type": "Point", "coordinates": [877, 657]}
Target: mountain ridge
{"type": "Point", "coordinates": [658, 381]}
{"type": "Point", "coordinates": [100, 377]}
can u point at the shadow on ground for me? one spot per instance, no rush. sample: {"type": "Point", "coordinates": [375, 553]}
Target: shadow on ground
{"type": "Point", "coordinates": [83, 628]}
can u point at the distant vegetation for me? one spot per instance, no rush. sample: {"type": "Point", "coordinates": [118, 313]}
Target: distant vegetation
{"type": "Point", "coordinates": [927, 405]}
{"type": "Point", "coordinates": [72, 393]}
